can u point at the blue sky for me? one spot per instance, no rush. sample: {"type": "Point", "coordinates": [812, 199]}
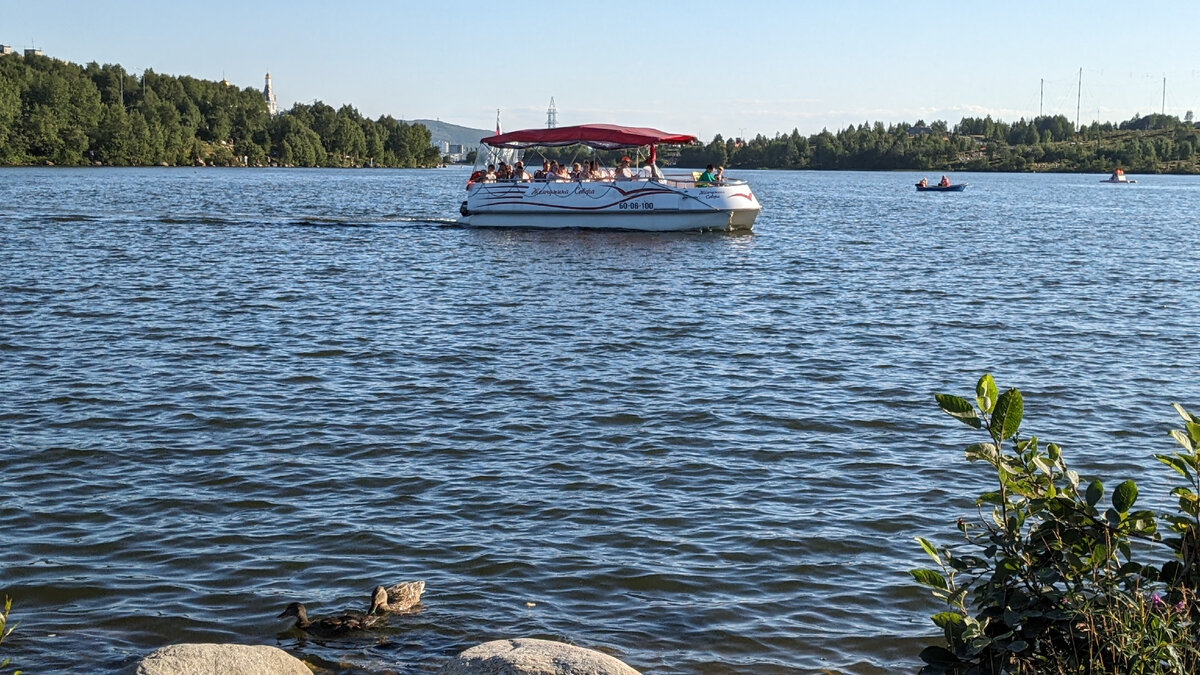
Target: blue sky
{"type": "Point", "coordinates": [734, 67]}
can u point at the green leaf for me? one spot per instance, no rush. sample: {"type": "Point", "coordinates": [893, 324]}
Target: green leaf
{"type": "Point", "coordinates": [930, 549]}
{"type": "Point", "coordinates": [1175, 463]}
{"type": "Point", "coordinates": [981, 451]}
{"type": "Point", "coordinates": [1193, 431]}
{"type": "Point", "coordinates": [959, 408]}
{"type": "Point", "coordinates": [1017, 646]}
{"type": "Point", "coordinates": [1124, 496]}
{"type": "Point", "coordinates": [980, 643]}
{"type": "Point", "coordinates": [1095, 491]}
{"type": "Point", "coordinates": [1043, 466]}
{"type": "Point", "coordinates": [939, 656]}
{"type": "Point", "coordinates": [1006, 418]}
{"type": "Point", "coordinates": [1182, 439]}
{"type": "Point", "coordinates": [985, 393]}
{"type": "Point", "coordinates": [943, 619]}
{"type": "Point", "coordinates": [929, 578]}
{"type": "Point", "coordinates": [1187, 416]}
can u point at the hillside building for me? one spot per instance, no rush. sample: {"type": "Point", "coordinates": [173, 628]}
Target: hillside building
{"type": "Point", "coordinates": [269, 95]}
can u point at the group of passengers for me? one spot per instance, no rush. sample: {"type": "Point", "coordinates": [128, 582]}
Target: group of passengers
{"type": "Point", "coordinates": [552, 171]}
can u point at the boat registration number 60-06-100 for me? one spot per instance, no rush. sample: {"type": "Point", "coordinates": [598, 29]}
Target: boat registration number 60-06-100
{"type": "Point", "coordinates": [636, 206]}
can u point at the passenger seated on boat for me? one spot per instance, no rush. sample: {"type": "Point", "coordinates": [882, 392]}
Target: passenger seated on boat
{"type": "Point", "coordinates": [650, 172]}
{"type": "Point", "coordinates": [519, 172]}
{"type": "Point", "coordinates": [591, 170]}
{"type": "Point", "coordinates": [578, 172]}
{"type": "Point", "coordinates": [503, 172]}
{"type": "Point", "coordinates": [944, 182]}
{"type": "Point", "coordinates": [561, 173]}
{"type": "Point", "coordinates": [542, 173]}
{"type": "Point", "coordinates": [719, 176]}
{"type": "Point", "coordinates": [623, 170]}
{"type": "Point", "coordinates": [707, 178]}
{"type": "Point", "coordinates": [490, 175]}
{"type": "Point", "coordinates": [923, 183]}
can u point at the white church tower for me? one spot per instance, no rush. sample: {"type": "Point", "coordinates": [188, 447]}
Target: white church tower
{"type": "Point", "coordinates": [269, 95]}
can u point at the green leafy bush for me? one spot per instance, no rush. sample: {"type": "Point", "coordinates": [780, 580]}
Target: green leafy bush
{"type": "Point", "coordinates": [1046, 579]}
{"type": "Point", "coordinates": [6, 629]}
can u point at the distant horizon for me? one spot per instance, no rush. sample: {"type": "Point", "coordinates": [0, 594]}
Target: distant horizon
{"type": "Point", "coordinates": [768, 68]}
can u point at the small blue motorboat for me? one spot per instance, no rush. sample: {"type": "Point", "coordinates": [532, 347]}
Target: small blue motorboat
{"type": "Point", "coordinates": [957, 187]}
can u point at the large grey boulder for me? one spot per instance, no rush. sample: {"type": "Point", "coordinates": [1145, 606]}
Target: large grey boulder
{"type": "Point", "coordinates": [214, 659]}
{"type": "Point", "coordinates": [527, 656]}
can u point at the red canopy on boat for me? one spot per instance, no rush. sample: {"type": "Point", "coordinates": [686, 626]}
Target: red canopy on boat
{"type": "Point", "coordinates": [604, 136]}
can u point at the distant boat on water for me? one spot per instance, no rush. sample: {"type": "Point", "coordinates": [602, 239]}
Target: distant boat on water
{"type": "Point", "coordinates": [957, 187]}
{"type": "Point", "coordinates": [1118, 176]}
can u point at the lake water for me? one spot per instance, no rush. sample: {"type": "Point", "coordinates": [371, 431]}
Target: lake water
{"type": "Point", "coordinates": [225, 390]}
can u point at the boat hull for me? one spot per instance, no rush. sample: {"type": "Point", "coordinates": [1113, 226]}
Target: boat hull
{"type": "Point", "coordinates": [648, 222]}
{"type": "Point", "coordinates": [943, 188]}
{"type": "Point", "coordinates": [653, 206]}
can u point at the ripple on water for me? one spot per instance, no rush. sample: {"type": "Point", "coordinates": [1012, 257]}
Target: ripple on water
{"type": "Point", "coordinates": [697, 452]}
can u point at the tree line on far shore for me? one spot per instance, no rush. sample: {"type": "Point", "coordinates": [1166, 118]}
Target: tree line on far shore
{"type": "Point", "coordinates": [1150, 144]}
{"type": "Point", "coordinates": [54, 112]}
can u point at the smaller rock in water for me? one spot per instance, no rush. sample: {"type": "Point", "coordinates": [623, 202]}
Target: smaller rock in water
{"type": "Point", "coordinates": [206, 659]}
{"type": "Point", "coordinates": [527, 656]}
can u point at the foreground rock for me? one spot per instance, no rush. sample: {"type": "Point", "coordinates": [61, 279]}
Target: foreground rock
{"type": "Point", "coordinates": [527, 656]}
{"type": "Point", "coordinates": [209, 659]}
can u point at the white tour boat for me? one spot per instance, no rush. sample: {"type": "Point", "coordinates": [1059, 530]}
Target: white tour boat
{"type": "Point", "coordinates": [662, 203]}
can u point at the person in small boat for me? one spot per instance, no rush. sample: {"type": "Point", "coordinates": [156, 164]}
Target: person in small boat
{"type": "Point", "coordinates": [719, 175]}
{"type": "Point", "coordinates": [519, 173]}
{"type": "Point", "coordinates": [541, 173]}
{"type": "Point", "coordinates": [562, 173]}
{"type": "Point", "coordinates": [503, 172]}
{"type": "Point", "coordinates": [923, 183]}
{"type": "Point", "coordinates": [944, 182]}
{"type": "Point", "coordinates": [708, 177]}
{"type": "Point", "coordinates": [593, 170]}
{"type": "Point", "coordinates": [577, 172]}
{"type": "Point", "coordinates": [490, 174]}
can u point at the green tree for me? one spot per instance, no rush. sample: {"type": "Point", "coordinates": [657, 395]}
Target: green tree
{"type": "Point", "coordinates": [1047, 580]}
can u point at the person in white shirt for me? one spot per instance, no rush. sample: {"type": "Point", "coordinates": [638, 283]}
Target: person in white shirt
{"type": "Point", "coordinates": [650, 172]}
{"type": "Point", "coordinates": [519, 172]}
{"type": "Point", "coordinates": [623, 170]}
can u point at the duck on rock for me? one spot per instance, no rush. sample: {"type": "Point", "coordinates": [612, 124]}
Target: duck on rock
{"type": "Point", "coordinates": [396, 598]}
{"type": "Point", "coordinates": [332, 626]}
